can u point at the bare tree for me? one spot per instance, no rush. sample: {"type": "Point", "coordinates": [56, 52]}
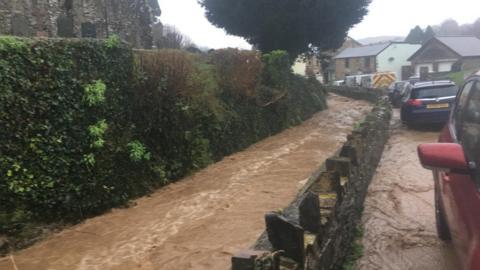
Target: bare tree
{"type": "Point", "coordinates": [169, 37]}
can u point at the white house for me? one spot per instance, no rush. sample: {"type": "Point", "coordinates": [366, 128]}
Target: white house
{"type": "Point", "coordinates": [386, 57]}
{"type": "Point", "coordinates": [395, 57]}
{"type": "Point", "coordinates": [447, 53]}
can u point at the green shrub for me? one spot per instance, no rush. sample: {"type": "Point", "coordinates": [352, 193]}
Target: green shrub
{"type": "Point", "coordinates": [95, 93]}
{"type": "Point", "coordinates": [278, 69]}
{"type": "Point", "coordinates": [138, 152]}
{"type": "Point", "coordinates": [65, 126]}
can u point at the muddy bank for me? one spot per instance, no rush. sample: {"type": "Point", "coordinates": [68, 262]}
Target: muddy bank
{"type": "Point", "coordinates": [199, 222]}
{"type": "Point", "coordinates": [399, 217]}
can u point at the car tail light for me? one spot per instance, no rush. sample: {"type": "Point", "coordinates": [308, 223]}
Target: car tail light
{"type": "Point", "coordinates": [415, 102]}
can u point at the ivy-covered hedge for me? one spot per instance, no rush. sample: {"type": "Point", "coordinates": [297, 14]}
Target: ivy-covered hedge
{"type": "Point", "coordinates": [87, 125]}
{"type": "Point", "coordinates": [65, 129]}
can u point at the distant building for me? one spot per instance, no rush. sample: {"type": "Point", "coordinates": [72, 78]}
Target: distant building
{"type": "Point", "coordinates": [130, 19]}
{"type": "Point", "coordinates": [312, 66]}
{"type": "Point", "coordinates": [329, 72]}
{"type": "Point", "coordinates": [445, 54]}
{"type": "Point", "coordinates": [386, 57]}
{"type": "Point", "coordinates": [300, 66]}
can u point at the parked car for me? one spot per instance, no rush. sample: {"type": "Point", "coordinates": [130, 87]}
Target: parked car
{"type": "Point", "coordinates": [428, 102]}
{"type": "Point", "coordinates": [455, 162]}
{"type": "Point", "coordinates": [338, 83]}
{"type": "Point", "coordinates": [414, 79]}
{"type": "Point", "coordinates": [379, 80]}
{"type": "Point", "coordinates": [396, 91]}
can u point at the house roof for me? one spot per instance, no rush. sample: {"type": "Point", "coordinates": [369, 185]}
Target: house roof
{"type": "Point", "coordinates": [354, 41]}
{"type": "Point", "coordinates": [364, 51]}
{"type": "Point", "coordinates": [465, 46]}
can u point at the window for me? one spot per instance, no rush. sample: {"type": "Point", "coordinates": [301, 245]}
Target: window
{"type": "Point", "coordinates": [347, 63]}
{"type": "Point", "coordinates": [461, 103]}
{"type": "Point", "coordinates": [89, 30]}
{"type": "Point", "coordinates": [470, 127]}
{"type": "Point", "coordinates": [435, 92]}
{"type": "Point", "coordinates": [367, 62]}
{"type": "Point", "coordinates": [406, 93]}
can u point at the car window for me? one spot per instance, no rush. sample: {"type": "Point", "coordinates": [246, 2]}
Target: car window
{"type": "Point", "coordinates": [435, 92]}
{"type": "Point", "coordinates": [399, 86]}
{"type": "Point", "coordinates": [470, 128]}
{"type": "Point", "coordinates": [392, 87]}
{"type": "Point", "coordinates": [406, 94]}
{"type": "Point", "coordinates": [460, 107]}
{"type": "Point", "coordinates": [404, 88]}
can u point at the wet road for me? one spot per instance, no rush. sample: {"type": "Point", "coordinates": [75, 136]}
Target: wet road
{"type": "Point", "coordinates": [399, 217]}
{"type": "Point", "coordinates": [199, 222]}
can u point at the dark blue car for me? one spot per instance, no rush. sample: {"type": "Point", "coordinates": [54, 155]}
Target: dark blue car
{"type": "Point", "coordinates": [428, 102]}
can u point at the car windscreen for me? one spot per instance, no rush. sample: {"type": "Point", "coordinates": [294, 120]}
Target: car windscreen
{"type": "Point", "coordinates": [396, 87]}
{"type": "Point", "coordinates": [434, 92]}
{"type": "Point", "coordinates": [399, 86]}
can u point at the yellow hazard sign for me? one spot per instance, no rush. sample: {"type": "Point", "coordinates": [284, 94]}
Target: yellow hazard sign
{"type": "Point", "coordinates": [383, 80]}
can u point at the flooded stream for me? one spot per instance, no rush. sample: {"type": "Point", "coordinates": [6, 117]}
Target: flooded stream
{"type": "Point", "coordinates": [399, 217]}
{"type": "Point", "coordinates": [199, 222]}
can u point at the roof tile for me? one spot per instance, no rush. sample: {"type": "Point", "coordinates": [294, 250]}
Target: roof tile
{"type": "Point", "coordinates": [465, 46]}
{"type": "Point", "coordinates": [370, 50]}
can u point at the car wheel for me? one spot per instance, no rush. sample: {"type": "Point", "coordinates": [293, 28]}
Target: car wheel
{"type": "Point", "coordinates": [443, 231]}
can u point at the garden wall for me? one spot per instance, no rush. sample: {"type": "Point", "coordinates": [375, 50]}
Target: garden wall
{"type": "Point", "coordinates": [369, 94]}
{"type": "Point", "coordinates": [318, 229]}
{"type": "Point", "coordinates": [86, 125]}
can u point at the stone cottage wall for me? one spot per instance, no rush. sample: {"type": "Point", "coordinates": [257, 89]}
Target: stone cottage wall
{"type": "Point", "coordinates": [358, 65]}
{"type": "Point", "coordinates": [130, 19]}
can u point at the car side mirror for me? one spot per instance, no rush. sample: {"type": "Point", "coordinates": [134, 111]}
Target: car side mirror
{"type": "Point", "coordinates": [443, 156]}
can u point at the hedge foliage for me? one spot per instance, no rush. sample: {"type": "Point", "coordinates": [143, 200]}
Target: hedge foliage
{"type": "Point", "coordinates": [87, 125]}
{"type": "Point", "coordinates": [65, 129]}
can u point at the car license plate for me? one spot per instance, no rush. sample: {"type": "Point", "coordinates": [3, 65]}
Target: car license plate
{"type": "Point", "coordinates": [438, 106]}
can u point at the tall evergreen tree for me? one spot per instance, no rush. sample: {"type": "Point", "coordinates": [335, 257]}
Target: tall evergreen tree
{"type": "Point", "coordinates": [291, 25]}
{"type": "Point", "coordinates": [416, 36]}
{"type": "Point", "coordinates": [429, 34]}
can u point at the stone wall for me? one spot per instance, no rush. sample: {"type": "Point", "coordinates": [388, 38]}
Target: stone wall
{"type": "Point", "coordinates": [471, 64]}
{"type": "Point", "coordinates": [317, 230]}
{"type": "Point", "coordinates": [368, 94]}
{"type": "Point", "coordinates": [129, 19]}
{"type": "Point", "coordinates": [359, 65]}
{"type": "Point", "coordinates": [355, 168]}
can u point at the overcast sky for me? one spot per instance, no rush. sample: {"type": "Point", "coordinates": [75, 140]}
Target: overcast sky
{"type": "Point", "coordinates": [386, 17]}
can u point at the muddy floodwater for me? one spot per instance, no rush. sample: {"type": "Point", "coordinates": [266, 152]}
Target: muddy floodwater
{"type": "Point", "coordinates": [399, 217]}
{"type": "Point", "coordinates": [199, 222]}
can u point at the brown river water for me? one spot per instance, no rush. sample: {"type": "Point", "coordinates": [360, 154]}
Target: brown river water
{"type": "Point", "coordinates": [199, 222]}
{"type": "Point", "coordinates": [399, 217]}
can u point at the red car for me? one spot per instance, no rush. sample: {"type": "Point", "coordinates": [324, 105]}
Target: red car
{"type": "Point", "coordinates": [455, 162]}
